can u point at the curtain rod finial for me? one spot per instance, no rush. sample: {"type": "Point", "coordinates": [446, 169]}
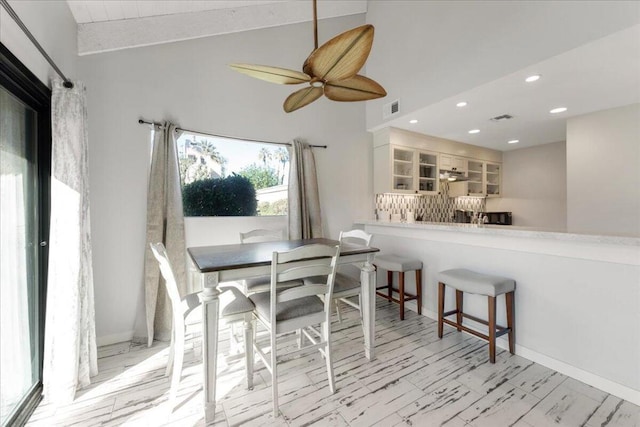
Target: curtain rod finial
{"type": "Point", "coordinates": [67, 84]}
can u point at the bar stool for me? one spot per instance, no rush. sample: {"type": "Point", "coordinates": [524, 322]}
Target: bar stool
{"type": "Point", "coordinates": [395, 263]}
{"type": "Point", "coordinates": [463, 280]}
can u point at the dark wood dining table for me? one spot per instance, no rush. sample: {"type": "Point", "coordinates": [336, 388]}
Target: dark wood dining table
{"type": "Point", "coordinates": [224, 263]}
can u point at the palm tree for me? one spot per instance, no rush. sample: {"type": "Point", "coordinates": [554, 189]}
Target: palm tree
{"type": "Point", "coordinates": [281, 155]}
{"type": "Point", "coordinates": [265, 155]}
{"type": "Point", "coordinates": [209, 150]}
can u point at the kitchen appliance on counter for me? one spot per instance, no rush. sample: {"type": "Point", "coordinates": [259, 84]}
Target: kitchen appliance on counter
{"type": "Point", "coordinates": [496, 218]}
{"type": "Point", "coordinates": [462, 217]}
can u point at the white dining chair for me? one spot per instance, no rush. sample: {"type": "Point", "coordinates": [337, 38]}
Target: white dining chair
{"type": "Point", "coordinates": [234, 308]}
{"type": "Point", "coordinates": [261, 235]}
{"type": "Point", "coordinates": [348, 285]}
{"type": "Point", "coordinates": [286, 310]}
{"type": "Point", "coordinates": [262, 284]}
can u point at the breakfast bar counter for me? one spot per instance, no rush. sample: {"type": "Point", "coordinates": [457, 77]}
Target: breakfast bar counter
{"type": "Point", "coordinates": [577, 295]}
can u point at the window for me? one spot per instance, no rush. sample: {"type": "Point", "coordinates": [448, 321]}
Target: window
{"type": "Point", "coordinates": [25, 161]}
{"type": "Point", "coordinates": [232, 177]}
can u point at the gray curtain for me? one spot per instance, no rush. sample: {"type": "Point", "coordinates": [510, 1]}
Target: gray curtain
{"type": "Point", "coordinates": [165, 223]}
{"type": "Point", "coordinates": [70, 353]}
{"type": "Point", "coordinates": [305, 220]}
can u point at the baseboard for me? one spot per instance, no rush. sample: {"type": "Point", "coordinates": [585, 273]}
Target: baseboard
{"type": "Point", "coordinates": [114, 338]}
{"type": "Point", "coordinates": [604, 384]}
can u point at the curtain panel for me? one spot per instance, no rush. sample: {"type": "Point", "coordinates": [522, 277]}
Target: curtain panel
{"type": "Point", "coordinates": [70, 353]}
{"type": "Point", "coordinates": [165, 224]}
{"type": "Point", "coordinates": [305, 219]}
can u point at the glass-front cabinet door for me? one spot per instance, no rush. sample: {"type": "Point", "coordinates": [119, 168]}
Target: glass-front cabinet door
{"type": "Point", "coordinates": [427, 172]}
{"type": "Point", "coordinates": [414, 171]}
{"type": "Point", "coordinates": [493, 181]}
{"type": "Point", "coordinates": [475, 173]}
{"type": "Point", "coordinates": [403, 170]}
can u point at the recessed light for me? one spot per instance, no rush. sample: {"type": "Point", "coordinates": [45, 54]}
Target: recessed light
{"type": "Point", "coordinates": [413, 121]}
{"type": "Point", "coordinates": [513, 141]}
{"type": "Point", "coordinates": [532, 78]}
{"type": "Point", "coordinates": [474, 131]}
{"type": "Point", "coordinates": [461, 104]}
{"type": "Point", "coordinates": [558, 110]}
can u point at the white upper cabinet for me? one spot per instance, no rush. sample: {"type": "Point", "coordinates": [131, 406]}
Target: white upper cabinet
{"type": "Point", "coordinates": [474, 186]}
{"type": "Point", "coordinates": [410, 163]}
{"type": "Point", "coordinates": [403, 176]}
{"type": "Point", "coordinates": [483, 179]}
{"type": "Point", "coordinates": [493, 179]}
{"type": "Point", "coordinates": [452, 163]}
{"type": "Point", "coordinates": [405, 170]}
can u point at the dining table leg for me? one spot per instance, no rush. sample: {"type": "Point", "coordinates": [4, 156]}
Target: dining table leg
{"type": "Point", "coordinates": [210, 313]}
{"type": "Point", "coordinates": [368, 306]}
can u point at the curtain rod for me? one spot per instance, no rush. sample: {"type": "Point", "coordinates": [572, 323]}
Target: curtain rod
{"type": "Point", "coordinates": [141, 121]}
{"type": "Point", "coordinates": [67, 83]}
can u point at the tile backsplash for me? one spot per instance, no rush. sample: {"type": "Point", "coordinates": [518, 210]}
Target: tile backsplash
{"type": "Point", "coordinates": [437, 208]}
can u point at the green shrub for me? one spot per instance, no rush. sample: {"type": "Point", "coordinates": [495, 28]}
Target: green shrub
{"type": "Point", "coordinates": [260, 176]}
{"type": "Point", "coordinates": [230, 196]}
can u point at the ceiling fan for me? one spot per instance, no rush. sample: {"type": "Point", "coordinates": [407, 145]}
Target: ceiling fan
{"type": "Point", "coordinates": [330, 70]}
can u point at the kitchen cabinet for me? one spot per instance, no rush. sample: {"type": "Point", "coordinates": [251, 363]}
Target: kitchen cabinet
{"type": "Point", "coordinates": [427, 172]}
{"type": "Point", "coordinates": [493, 179]}
{"type": "Point", "coordinates": [405, 170]}
{"type": "Point", "coordinates": [484, 179]}
{"type": "Point", "coordinates": [474, 186]}
{"type": "Point", "coordinates": [407, 162]}
{"type": "Point", "coordinates": [452, 163]}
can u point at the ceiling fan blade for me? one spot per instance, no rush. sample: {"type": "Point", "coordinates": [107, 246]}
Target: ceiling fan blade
{"type": "Point", "coordinates": [342, 56]}
{"type": "Point", "coordinates": [301, 98]}
{"type": "Point", "coordinates": [278, 75]}
{"type": "Point", "coordinates": [356, 88]}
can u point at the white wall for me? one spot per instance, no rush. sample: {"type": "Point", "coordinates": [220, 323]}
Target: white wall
{"type": "Point", "coordinates": [52, 24]}
{"type": "Point", "coordinates": [534, 182]}
{"type": "Point", "coordinates": [603, 172]}
{"type": "Point", "coordinates": [189, 82]}
{"type": "Point", "coordinates": [485, 40]}
{"type": "Point", "coordinates": [567, 318]}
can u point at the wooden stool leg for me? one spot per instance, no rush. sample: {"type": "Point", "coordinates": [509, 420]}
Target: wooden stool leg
{"type": "Point", "coordinates": [401, 291]}
{"type": "Point", "coordinates": [390, 283]}
{"type": "Point", "coordinates": [440, 308]}
{"type": "Point", "coordinates": [509, 296]}
{"type": "Point", "coordinates": [419, 289]}
{"type": "Point", "coordinates": [492, 329]}
{"type": "Point", "coordinates": [459, 308]}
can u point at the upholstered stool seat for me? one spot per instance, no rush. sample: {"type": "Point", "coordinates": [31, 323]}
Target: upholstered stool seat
{"type": "Point", "coordinates": [477, 283]}
{"type": "Point", "coordinates": [491, 286]}
{"type": "Point", "coordinates": [395, 263]}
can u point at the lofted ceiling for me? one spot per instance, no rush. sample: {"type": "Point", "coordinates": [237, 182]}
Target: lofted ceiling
{"type": "Point", "coordinates": [602, 74]}
{"type": "Point", "coordinates": [107, 25]}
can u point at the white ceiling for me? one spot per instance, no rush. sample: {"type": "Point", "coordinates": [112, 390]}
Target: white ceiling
{"type": "Point", "coordinates": [596, 76]}
{"type": "Point", "coordinates": [600, 75]}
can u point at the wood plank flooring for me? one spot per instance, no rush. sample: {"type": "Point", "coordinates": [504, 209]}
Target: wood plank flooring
{"type": "Point", "coordinates": [415, 380]}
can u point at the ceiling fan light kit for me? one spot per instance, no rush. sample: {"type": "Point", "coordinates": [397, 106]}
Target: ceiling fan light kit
{"type": "Point", "coordinates": [330, 70]}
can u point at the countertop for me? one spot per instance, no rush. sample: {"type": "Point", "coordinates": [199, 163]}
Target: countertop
{"type": "Point", "coordinates": [510, 230]}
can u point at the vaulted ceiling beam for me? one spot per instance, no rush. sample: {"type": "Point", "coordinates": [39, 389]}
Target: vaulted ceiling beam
{"type": "Point", "coordinates": [97, 37]}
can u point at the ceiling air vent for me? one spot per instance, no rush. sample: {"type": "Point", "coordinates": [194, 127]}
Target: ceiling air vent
{"type": "Point", "coordinates": [390, 109]}
{"type": "Point", "coordinates": [501, 118]}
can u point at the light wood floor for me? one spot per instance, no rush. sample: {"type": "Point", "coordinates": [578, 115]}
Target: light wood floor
{"type": "Point", "coordinates": [415, 380]}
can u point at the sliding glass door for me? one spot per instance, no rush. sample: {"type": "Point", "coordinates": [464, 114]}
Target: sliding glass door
{"type": "Point", "coordinates": [23, 228]}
